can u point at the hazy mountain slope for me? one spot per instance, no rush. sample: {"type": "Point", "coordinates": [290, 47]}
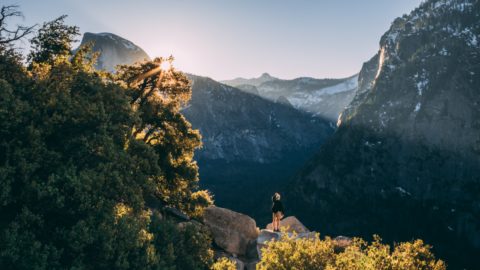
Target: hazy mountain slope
{"type": "Point", "coordinates": [322, 97]}
{"type": "Point", "coordinates": [405, 161]}
{"type": "Point", "coordinates": [252, 146]}
{"type": "Point", "coordinates": [114, 50]}
{"type": "Point", "coordinates": [265, 77]}
{"type": "Point", "coordinates": [238, 126]}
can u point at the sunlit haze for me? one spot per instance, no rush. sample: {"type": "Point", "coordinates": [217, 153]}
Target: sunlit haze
{"type": "Point", "coordinates": [227, 39]}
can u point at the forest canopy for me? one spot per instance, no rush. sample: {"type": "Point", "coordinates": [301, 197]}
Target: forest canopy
{"type": "Point", "coordinates": [84, 154]}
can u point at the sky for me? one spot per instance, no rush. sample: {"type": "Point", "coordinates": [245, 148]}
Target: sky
{"type": "Point", "coordinates": [225, 39]}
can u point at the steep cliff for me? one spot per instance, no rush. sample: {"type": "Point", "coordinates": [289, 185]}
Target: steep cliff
{"type": "Point", "coordinates": [405, 160]}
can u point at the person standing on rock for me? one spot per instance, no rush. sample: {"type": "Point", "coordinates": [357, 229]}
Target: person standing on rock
{"type": "Point", "coordinates": [277, 212]}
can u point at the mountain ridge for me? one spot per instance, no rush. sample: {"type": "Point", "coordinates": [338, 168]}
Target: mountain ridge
{"type": "Point", "coordinates": [325, 98]}
{"type": "Point", "coordinates": [264, 77]}
{"type": "Point", "coordinates": [404, 161]}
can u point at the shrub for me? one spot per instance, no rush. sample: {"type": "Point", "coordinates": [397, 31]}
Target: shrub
{"type": "Point", "coordinates": [224, 264]}
{"type": "Point", "coordinates": [291, 253]}
{"type": "Point", "coordinates": [314, 253]}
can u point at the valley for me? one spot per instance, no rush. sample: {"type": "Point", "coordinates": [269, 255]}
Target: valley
{"type": "Point", "coordinates": [392, 150]}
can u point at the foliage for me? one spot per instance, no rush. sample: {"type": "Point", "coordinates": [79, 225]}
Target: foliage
{"type": "Point", "coordinates": [74, 174]}
{"type": "Point", "coordinates": [54, 39]}
{"type": "Point", "coordinates": [181, 246]}
{"type": "Point", "coordinates": [224, 264]}
{"type": "Point", "coordinates": [200, 200]}
{"type": "Point", "coordinates": [303, 253]}
{"type": "Point", "coordinates": [314, 253]}
{"type": "Point", "coordinates": [157, 96]}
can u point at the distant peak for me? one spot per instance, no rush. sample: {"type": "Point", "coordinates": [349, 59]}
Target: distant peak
{"type": "Point", "coordinates": [103, 34]}
{"type": "Point", "coordinates": [96, 34]}
{"type": "Point", "coordinates": [265, 75]}
{"type": "Point", "coordinates": [106, 34]}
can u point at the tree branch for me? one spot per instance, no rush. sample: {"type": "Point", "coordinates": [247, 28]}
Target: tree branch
{"type": "Point", "coordinates": [10, 35]}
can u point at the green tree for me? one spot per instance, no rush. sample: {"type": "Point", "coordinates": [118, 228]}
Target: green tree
{"type": "Point", "coordinates": [157, 95]}
{"type": "Point", "coordinates": [73, 175]}
{"type": "Point", "coordinates": [53, 40]}
{"type": "Point", "coordinates": [181, 246]}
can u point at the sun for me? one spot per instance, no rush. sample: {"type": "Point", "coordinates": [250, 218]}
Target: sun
{"type": "Point", "coordinates": [165, 65]}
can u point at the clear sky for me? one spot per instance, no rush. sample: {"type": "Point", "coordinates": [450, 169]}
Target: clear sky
{"type": "Point", "coordinates": [224, 39]}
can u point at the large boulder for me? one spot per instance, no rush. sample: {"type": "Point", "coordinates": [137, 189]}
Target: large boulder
{"type": "Point", "coordinates": [291, 224]}
{"type": "Point", "coordinates": [231, 231]}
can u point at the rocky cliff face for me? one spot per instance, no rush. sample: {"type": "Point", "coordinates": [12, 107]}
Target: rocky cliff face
{"type": "Point", "coordinates": [321, 97]}
{"type": "Point", "coordinates": [114, 50]}
{"type": "Point", "coordinates": [405, 160]}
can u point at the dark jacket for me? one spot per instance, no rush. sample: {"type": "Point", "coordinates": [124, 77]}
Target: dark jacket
{"type": "Point", "coordinates": [277, 206]}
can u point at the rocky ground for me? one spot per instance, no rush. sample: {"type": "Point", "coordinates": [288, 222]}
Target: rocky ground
{"type": "Point", "coordinates": [237, 237]}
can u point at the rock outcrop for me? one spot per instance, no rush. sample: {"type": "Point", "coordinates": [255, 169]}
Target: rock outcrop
{"type": "Point", "coordinates": [232, 231]}
{"type": "Point", "coordinates": [237, 238]}
{"type": "Point", "coordinates": [290, 224]}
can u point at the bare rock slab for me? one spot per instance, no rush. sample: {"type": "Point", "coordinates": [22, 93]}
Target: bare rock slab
{"type": "Point", "coordinates": [234, 232]}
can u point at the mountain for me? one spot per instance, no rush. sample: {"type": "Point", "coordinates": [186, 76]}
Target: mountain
{"type": "Point", "coordinates": [238, 126]}
{"type": "Point", "coordinates": [114, 50]}
{"type": "Point", "coordinates": [249, 140]}
{"type": "Point", "coordinates": [405, 159]}
{"type": "Point", "coordinates": [322, 97]}
{"type": "Point", "coordinates": [265, 77]}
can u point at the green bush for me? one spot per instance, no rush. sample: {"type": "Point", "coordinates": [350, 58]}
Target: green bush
{"type": "Point", "coordinates": [181, 246]}
{"type": "Point", "coordinates": [224, 264]}
{"type": "Point", "coordinates": [314, 253]}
